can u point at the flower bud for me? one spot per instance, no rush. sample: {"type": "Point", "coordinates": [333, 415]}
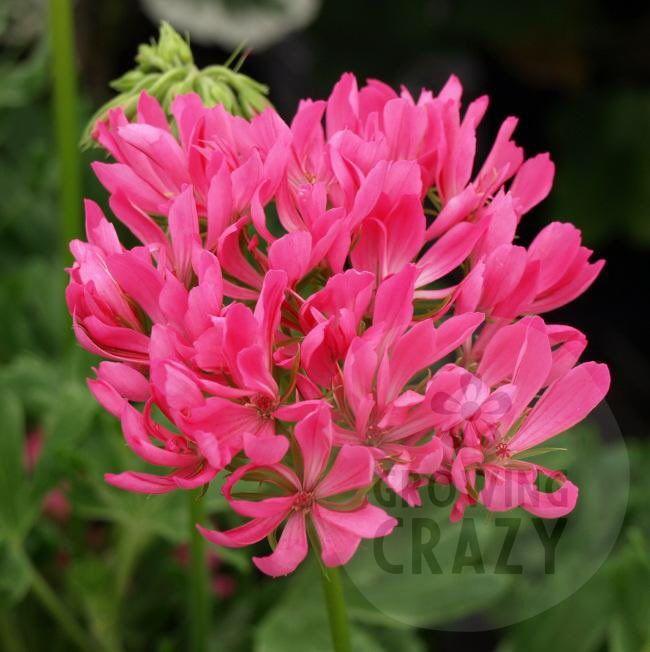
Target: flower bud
{"type": "Point", "coordinates": [166, 69]}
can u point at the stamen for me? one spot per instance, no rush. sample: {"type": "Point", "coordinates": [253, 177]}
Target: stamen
{"type": "Point", "coordinates": [303, 501]}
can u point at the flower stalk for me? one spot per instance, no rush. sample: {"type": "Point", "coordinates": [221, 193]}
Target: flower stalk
{"type": "Point", "coordinates": [336, 611]}
{"type": "Point", "coordinates": [199, 596]}
{"type": "Point", "coordinates": [66, 124]}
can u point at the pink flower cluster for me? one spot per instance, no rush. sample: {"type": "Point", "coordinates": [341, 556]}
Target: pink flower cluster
{"type": "Point", "coordinates": [319, 306]}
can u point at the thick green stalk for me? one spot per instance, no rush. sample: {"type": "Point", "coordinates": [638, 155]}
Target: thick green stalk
{"type": "Point", "coordinates": [336, 612]}
{"type": "Point", "coordinates": [199, 599]}
{"type": "Point", "coordinates": [66, 123]}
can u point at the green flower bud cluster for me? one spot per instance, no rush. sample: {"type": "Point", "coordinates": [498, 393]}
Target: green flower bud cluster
{"type": "Point", "coordinates": [166, 69]}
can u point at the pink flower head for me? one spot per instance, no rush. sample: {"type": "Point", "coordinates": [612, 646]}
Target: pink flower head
{"type": "Point", "coordinates": [328, 499]}
{"type": "Point", "coordinates": [327, 303]}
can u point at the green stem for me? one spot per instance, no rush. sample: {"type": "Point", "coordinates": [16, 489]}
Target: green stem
{"type": "Point", "coordinates": [57, 609]}
{"type": "Point", "coordinates": [199, 599]}
{"type": "Point", "coordinates": [10, 638]}
{"type": "Point", "coordinates": [65, 120]}
{"type": "Point", "coordinates": [336, 612]}
{"type": "Point", "coordinates": [130, 545]}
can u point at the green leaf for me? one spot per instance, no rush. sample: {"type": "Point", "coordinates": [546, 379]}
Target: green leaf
{"type": "Point", "coordinates": [579, 624]}
{"type": "Point", "coordinates": [630, 572]}
{"type": "Point", "coordinates": [12, 475]}
{"type": "Point", "coordinates": [15, 575]}
{"type": "Point", "coordinates": [91, 581]}
{"type": "Point", "coordinates": [67, 425]}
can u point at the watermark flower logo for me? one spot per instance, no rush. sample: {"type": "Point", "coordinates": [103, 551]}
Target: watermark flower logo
{"type": "Point", "coordinates": [465, 404]}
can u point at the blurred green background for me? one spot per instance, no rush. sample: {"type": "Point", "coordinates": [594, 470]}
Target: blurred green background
{"type": "Point", "coordinates": [82, 564]}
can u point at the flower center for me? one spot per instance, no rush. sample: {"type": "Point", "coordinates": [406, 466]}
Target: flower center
{"type": "Point", "coordinates": [303, 501]}
{"type": "Point", "coordinates": [501, 450]}
{"type": "Point", "coordinates": [264, 404]}
{"type": "Point", "coordinates": [373, 435]}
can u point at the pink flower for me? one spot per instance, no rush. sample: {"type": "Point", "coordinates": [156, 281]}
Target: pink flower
{"type": "Point", "coordinates": [375, 407]}
{"type": "Point", "coordinates": [521, 355]}
{"type": "Point", "coordinates": [159, 446]}
{"type": "Point", "coordinates": [511, 280]}
{"type": "Point", "coordinates": [230, 400]}
{"type": "Point", "coordinates": [376, 123]}
{"type": "Point", "coordinates": [331, 319]}
{"type": "Point", "coordinates": [314, 495]}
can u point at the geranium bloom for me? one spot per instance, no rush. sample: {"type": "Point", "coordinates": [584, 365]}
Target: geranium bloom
{"type": "Point", "coordinates": [328, 303]}
{"type": "Point", "coordinates": [484, 419]}
{"type": "Point", "coordinates": [308, 492]}
{"type": "Point", "coordinates": [375, 407]}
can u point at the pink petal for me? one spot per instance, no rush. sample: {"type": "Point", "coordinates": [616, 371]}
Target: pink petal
{"type": "Point", "coordinates": [564, 404]}
{"type": "Point", "coordinates": [107, 396]}
{"type": "Point", "coordinates": [267, 309]}
{"type": "Point", "coordinates": [352, 469]}
{"type": "Point", "coordinates": [459, 474]}
{"type": "Point", "coordinates": [139, 280]}
{"type": "Point", "coordinates": [555, 504]}
{"type": "Point", "coordinates": [555, 246]}
{"type": "Point", "coordinates": [129, 382]}
{"type": "Point", "coordinates": [99, 230]}
{"type": "Point", "coordinates": [254, 371]}
{"type": "Point", "coordinates": [135, 219]}
{"type": "Point", "coordinates": [338, 545]}
{"type": "Point", "coordinates": [137, 437]}
{"type": "Point", "coordinates": [455, 331]}
{"type": "Point", "coordinates": [160, 146]}
{"type": "Point", "coordinates": [342, 105]}
{"type": "Point", "coordinates": [150, 112]}
{"type": "Point", "coordinates": [244, 535]}
{"type": "Point", "coordinates": [120, 178]}
{"type": "Point", "coordinates": [219, 205]}
{"type": "Point", "coordinates": [367, 521]}
{"type": "Point", "coordinates": [314, 436]}
{"type": "Point", "coordinates": [449, 251]}
{"type": "Point", "coordinates": [400, 480]}
{"type": "Point", "coordinates": [569, 344]}
{"type": "Point", "coordinates": [456, 210]}
{"type": "Point", "coordinates": [190, 478]}
{"type": "Point", "coordinates": [291, 253]}
{"type": "Point", "coordinates": [290, 551]}
{"type": "Point", "coordinates": [267, 507]}
{"type": "Point", "coordinates": [265, 450]}
{"type": "Point", "coordinates": [532, 183]}
{"type": "Point", "coordinates": [394, 303]}
{"type": "Point", "coordinates": [142, 483]}
{"type": "Point", "coordinates": [184, 231]}
{"type": "Point", "coordinates": [413, 351]}
{"type": "Point", "coordinates": [504, 489]}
